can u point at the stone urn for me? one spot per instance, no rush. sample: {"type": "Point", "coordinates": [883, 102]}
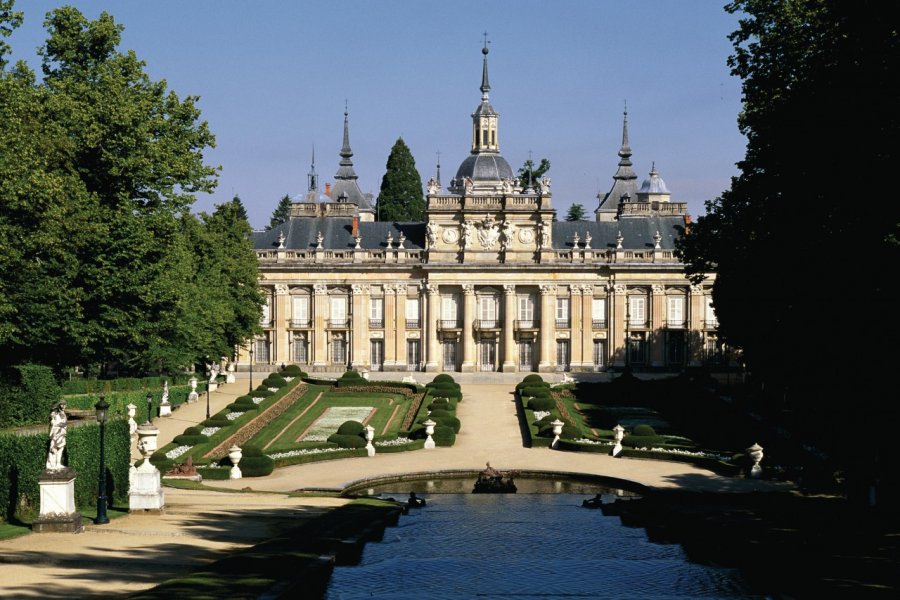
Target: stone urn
{"type": "Point", "coordinates": [193, 396]}
{"type": "Point", "coordinates": [755, 452]}
{"type": "Point", "coordinates": [132, 424]}
{"type": "Point", "coordinates": [229, 375]}
{"type": "Point", "coordinates": [235, 455]}
{"type": "Point", "coordinates": [370, 435]}
{"type": "Point", "coordinates": [618, 436]}
{"type": "Point", "coordinates": [557, 431]}
{"type": "Point", "coordinates": [429, 431]}
{"type": "Point", "coordinates": [147, 434]}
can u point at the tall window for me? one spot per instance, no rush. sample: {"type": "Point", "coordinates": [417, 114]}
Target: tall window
{"type": "Point", "coordinates": [562, 313]}
{"type": "Point", "coordinates": [711, 319]}
{"type": "Point", "coordinates": [675, 347]}
{"type": "Point", "coordinates": [413, 315]}
{"type": "Point", "coordinates": [562, 355]}
{"type": "Point", "coordinates": [376, 354]}
{"type": "Point", "coordinates": [338, 351]}
{"type": "Point", "coordinates": [637, 311]}
{"type": "Point", "coordinates": [599, 354]}
{"type": "Point", "coordinates": [449, 309]}
{"type": "Point", "coordinates": [675, 311]}
{"type": "Point", "coordinates": [261, 351]}
{"type": "Point", "coordinates": [413, 354]}
{"type": "Point", "coordinates": [300, 350]}
{"type": "Point", "coordinates": [525, 306]}
{"type": "Point", "coordinates": [300, 311]}
{"type": "Point", "coordinates": [339, 310]}
{"type": "Point", "coordinates": [598, 312]}
{"type": "Point", "coordinates": [487, 350]}
{"type": "Point", "coordinates": [376, 313]}
{"type": "Point", "coordinates": [637, 349]}
{"type": "Point", "coordinates": [487, 308]}
{"type": "Point", "coordinates": [526, 355]}
{"type": "Point", "coordinates": [448, 349]}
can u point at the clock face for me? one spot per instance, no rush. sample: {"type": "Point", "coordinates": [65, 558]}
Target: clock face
{"type": "Point", "coordinates": [450, 235]}
{"type": "Point", "coordinates": [526, 236]}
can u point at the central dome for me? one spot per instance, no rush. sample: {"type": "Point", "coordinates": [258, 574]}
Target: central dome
{"type": "Point", "coordinates": [485, 167]}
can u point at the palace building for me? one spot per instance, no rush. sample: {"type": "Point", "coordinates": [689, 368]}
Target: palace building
{"type": "Point", "coordinates": [488, 282]}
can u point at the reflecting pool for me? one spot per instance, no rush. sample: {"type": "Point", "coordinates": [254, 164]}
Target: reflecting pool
{"type": "Point", "coordinates": [524, 546]}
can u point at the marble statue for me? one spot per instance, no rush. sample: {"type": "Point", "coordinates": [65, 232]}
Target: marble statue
{"type": "Point", "coordinates": [58, 425]}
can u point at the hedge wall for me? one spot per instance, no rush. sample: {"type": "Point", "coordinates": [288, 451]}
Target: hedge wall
{"type": "Point", "coordinates": [27, 395]}
{"type": "Point", "coordinates": [80, 385]}
{"type": "Point", "coordinates": [118, 401]}
{"type": "Point", "coordinates": [23, 457]}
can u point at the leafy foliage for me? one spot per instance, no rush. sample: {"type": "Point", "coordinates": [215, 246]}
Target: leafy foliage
{"type": "Point", "coordinates": [536, 172]}
{"type": "Point", "coordinates": [281, 213]}
{"type": "Point", "coordinates": [27, 395]}
{"type": "Point", "coordinates": [400, 198]}
{"type": "Point", "coordinates": [576, 213]}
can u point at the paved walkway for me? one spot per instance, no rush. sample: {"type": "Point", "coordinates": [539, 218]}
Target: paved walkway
{"type": "Point", "coordinates": [138, 551]}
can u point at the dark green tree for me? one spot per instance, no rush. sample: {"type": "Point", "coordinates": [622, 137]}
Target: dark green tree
{"type": "Point", "coordinates": [401, 198]}
{"type": "Point", "coordinates": [820, 119]}
{"type": "Point", "coordinates": [281, 213]}
{"type": "Point", "coordinates": [536, 172]}
{"type": "Point", "coordinates": [576, 213]}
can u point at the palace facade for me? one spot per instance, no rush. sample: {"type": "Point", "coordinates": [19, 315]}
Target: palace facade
{"type": "Point", "coordinates": [490, 281]}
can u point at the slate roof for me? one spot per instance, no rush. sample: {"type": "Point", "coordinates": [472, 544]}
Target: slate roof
{"type": "Point", "coordinates": [637, 233]}
{"type": "Point", "coordinates": [337, 233]}
{"type": "Point", "coordinates": [484, 167]}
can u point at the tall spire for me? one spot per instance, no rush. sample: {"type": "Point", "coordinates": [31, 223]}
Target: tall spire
{"type": "Point", "coordinates": [313, 177]}
{"type": "Point", "coordinates": [346, 169]}
{"type": "Point", "coordinates": [439, 167]}
{"type": "Point", "coordinates": [625, 167]}
{"type": "Point", "coordinates": [485, 84]}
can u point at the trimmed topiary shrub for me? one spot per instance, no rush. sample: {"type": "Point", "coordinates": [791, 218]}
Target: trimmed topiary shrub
{"type": "Point", "coordinates": [351, 428]}
{"type": "Point", "coordinates": [643, 430]}
{"type": "Point", "coordinates": [27, 395]}
{"type": "Point", "coordinates": [292, 371]}
{"type": "Point", "coordinates": [186, 439]}
{"type": "Point", "coordinates": [533, 378]}
{"type": "Point", "coordinates": [443, 435]}
{"type": "Point", "coordinates": [351, 378]}
{"type": "Point", "coordinates": [254, 463]}
{"type": "Point", "coordinates": [451, 422]}
{"type": "Point", "coordinates": [274, 380]}
{"type": "Point", "coordinates": [261, 392]}
{"type": "Point", "coordinates": [541, 403]}
{"type": "Point", "coordinates": [537, 392]}
{"type": "Point", "coordinates": [568, 432]}
{"type": "Point", "coordinates": [443, 378]}
{"type": "Point", "coordinates": [347, 441]}
{"type": "Point", "coordinates": [438, 414]}
{"type": "Point", "coordinates": [159, 460]}
{"type": "Point", "coordinates": [216, 422]}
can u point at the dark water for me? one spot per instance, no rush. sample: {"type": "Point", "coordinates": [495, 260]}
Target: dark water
{"type": "Point", "coordinates": [524, 546]}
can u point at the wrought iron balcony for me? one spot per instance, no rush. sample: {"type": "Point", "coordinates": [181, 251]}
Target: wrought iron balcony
{"type": "Point", "coordinates": [376, 323]}
{"type": "Point", "coordinates": [449, 324]}
{"type": "Point", "coordinates": [675, 324]}
{"type": "Point", "coordinates": [562, 324]}
{"type": "Point", "coordinates": [300, 323]}
{"type": "Point", "coordinates": [636, 324]}
{"type": "Point", "coordinates": [483, 324]}
{"type": "Point", "coordinates": [598, 324]}
{"type": "Point", "coordinates": [527, 324]}
{"type": "Point", "coordinates": [338, 324]}
{"type": "Point", "coordinates": [413, 324]}
{"type": "Point", "coordinates": [711, 324]}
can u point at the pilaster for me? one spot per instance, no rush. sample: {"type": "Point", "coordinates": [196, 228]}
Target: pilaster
{"type": "Point", "coordinates": [509, 342]}
{"type": "Point", "coordinates": [468, 342]}
{"type": "Point", "coordinates": [280, 344]}
{"type": "Point", "coordinates": [548, 327]}
{"type": "Point", "coordinates": [360, 340]}
{"type": "Point", "coordinates": [576, 325]}
{"type": "Point", "coordinates": [587, 328]}
{"type": "Point", "coordinates": [617, 324]}
{"type": "Point", "coordinates": [430, 329]}
{"type": "Point", "coordinates": [400, 320]}
{"type": "Point", "coordinates": [390, 335]}
{"type": "Point", "coordinates": [697, 312]}
{"type": "Point", "coordinates": [319, 350]}
{"type": "Point", "coordinates": [657, 340]}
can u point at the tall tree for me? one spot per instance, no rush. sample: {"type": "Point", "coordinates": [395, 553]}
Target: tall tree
{"type": "Point", "coordinates": [401, 198]}
{"type": "Point", "coordinates": [536, 172]}
{"type": "Point", "coordinates": [576, 213]}
{"type": "Point", "coordinates": [790, 239]}
{"type": "Point", "coordinates": [281, 213]}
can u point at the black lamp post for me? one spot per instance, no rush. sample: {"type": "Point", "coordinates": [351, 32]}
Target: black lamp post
{"type": "Point", "coordinates": [102, 407]}
{"type": "Point", "coordinates": [207, 400]}
{"type": "Point", "coordinates": [149, 407]}
{"type": "Point", "coordinates": [251, 367]}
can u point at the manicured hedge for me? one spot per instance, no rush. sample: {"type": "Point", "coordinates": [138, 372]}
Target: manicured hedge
{"type": "Point", "coordinates": [443, 436]}
{"type": "Point", "coordinates": [308, 458]}
{"type": "Point", "coordinates": [23, 457]}
{"type": "Point", "coordinates": [347, 441]}
{"type": "Point", "coordinates": [533, 378]}
{"type": "Point", "coordinates": [27, 395]}
{"type": "Point", "coordinates": [351, 428]}
{"type": "Point", "coordinates": [541, 403]}
{"type": "Point", "coordinates": [293, 371]}
{"type": "Point", "coordinates": [572, 446]}
{"type": "Point", "coordinates": [118, 401]}
{"type": "Point", "coordinates": [274, 380]}
{"type": "Point", "coordinates": [214, 473]}
{"type": "Point", "coordinates": [83, 385]}
{"type": "Point", "coordinates": [254, 463]}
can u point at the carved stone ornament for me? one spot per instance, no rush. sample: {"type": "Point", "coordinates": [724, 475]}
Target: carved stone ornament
{"type": "Point", "coordinates": [545, 185]}
{"type": "Point", "coordinates": [619, 239]}
{"type": "Point", "coordinates": [281, 240]}
{"type": "Point", "coordinates": [281, 289]}
{"type": "Point", "coordinates": [450, 235]}
{"type": "Point", "coordinates": [509, 289]}
{"type": "Point", "coordinates": [359, 289]}
{"type": "Point", "coordinates": [696, 290]}
{"type": "Point", "coordinates": [432, 288]}
{"type": "Point", "coordinates": [526, 236]}
{"type": "Point", "coordinates": [320, 289]}
{"type": "Point", "coordinates": [400, 289]}
{"type": "Point", "coordinates": [657, 289]}
{"type": "Point", "coordinates": [388, 288]}
{"type": "Point", "coordinates": [468, 289]}
{"type": "Point", "coordinates": [619, 289]}
{"type": "Point", "coordinates": [433, 187]}
{"type": "Point", "coordinates": [587, 289]}
{"type": "Point", "coordinates": [547, 289]}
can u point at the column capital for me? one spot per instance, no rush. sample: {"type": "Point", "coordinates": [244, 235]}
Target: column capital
{"type": "Point", "coordinates": [432, 289]}
{"type": "Point", "coordinates": [509, 289]}
{"type": "Point", "coordinates": [657, 289]}
{"type": "Point", "coordinates": [468, 289]}
{"type": "Point", "coordinates": [388, 289]}
{"type": "Point", "coordinates": [696, 289]}
{"type": "Point", "coordinates": [400, 288]}
{"type": "Point", "coordinates": [320, 289]}
{"type": "Point", "coordinates": [587, 289]}
{"type": "Point", "coordinates": [359, 289]}
{"type": "Point", "coordinates": [619, 289]}
{"type": "Point", "coordinates": [547, 289]}
{"type": "Point", "coordinates": [281, 289]}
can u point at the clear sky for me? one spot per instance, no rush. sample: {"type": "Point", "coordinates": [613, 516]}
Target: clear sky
{"type": "Point", "coordinates": [273, 76]}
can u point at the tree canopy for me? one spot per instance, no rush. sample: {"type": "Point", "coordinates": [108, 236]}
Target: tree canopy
{"type": "Point", "coordinates": [536, 172]}
{"type": "Point", "coordinates": [401, 198]}
{"type": "Point", "coordinates": [791, 240]}
{"type": "Point", "coordinates": [576, 212]}
{"type": "Point", "coordinates": [281, 213]}
{"type": "Point", "coordinates": [99, 166]}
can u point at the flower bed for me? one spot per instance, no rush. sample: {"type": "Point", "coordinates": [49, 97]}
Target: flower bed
{"type": "Point", "coordinates": [332, 418]}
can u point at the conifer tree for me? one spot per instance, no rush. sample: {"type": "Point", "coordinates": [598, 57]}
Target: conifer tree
{"type": "Point", "coordinates": [401, 198]}
{"type": "Point", "coordinates": [281, 213]}
{"type": "Point", "coordinates": [576, 213]}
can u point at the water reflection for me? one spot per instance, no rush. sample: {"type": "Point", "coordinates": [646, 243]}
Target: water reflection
{"type": "Point", "coordinates": [518, 546]}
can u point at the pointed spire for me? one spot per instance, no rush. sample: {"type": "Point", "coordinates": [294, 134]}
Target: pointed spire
{"type": "Point", "coordinates": [438, 167]}
{"type": "Point", "coordinates": [346, 166]}
{"type": "Point", "coordinates": [625, 171]}
{"type": "Point", "coordinates": [313, 177]}
{"type": "Point", "coordinates": [485, 84]}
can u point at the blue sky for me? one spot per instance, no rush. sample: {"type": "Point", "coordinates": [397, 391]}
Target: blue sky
{"type": "Point", "coordinates": [273, 78]}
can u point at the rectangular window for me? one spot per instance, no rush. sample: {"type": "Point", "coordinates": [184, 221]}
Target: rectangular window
{"type": "Point", "coordinates": [300, 350]}
{"type": "Point", "coordinates": [338, 351]}
{"type": "Point", "coordinates": [525, 308]}
{"type": "Point", "coordinates": [339, 311]}
{"type": "Point", "coordinates": [675, 347]}
{"type": "Point", "coordinates": [598, 312]}
{"type": "Point", "coordinates": [487, 351]}
{"type": "Point", "coordinates": [376, 309]}
{"type": "Point", "coordinates": [526, 356]}
{"type": "Point", "coordinates": [562, 313]}
{"type": "Point", "coordinates": [599, 354]}
{"type": "Point", "coordinates": [562, 355]}
{"type": "Point", "coordinates": [711, 319]}
{"type": "Point", "coordinates": [637, 349]}
{"type": "Point", "coordinates": [675, 311]}
{"type": "Point", "coordinates": [261, 351]}
{"type": "Point", "coordinates": [637, 311]}
{"type": "Point", "coordinates": [376, 355]}
{"type": "Point", "coordinates": [413, 354]}
{"type": "Point", "coordinates": [449, 309]}
{"type": "Point", "coordinates": [448, 350]}
{"type": "Point", "coordinates": [300, 311]}
{"type": "Point", "coordinates": [487, 308]}
{"type": "Point", "coordinates": [413, 315]}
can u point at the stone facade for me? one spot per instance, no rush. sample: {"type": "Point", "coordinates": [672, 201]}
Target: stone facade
{"type": "Point", "coordinates": [488, 282]}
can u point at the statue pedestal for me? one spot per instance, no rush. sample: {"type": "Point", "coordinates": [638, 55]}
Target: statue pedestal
{"type": "Point", "coordinates": [212, 386]}
{"type": "Point", "coordinates": [145, 489]}
{"type": "Point", "coordinates": [193, 397]}
{"type": "Point", "coordinates": [165, 409]}
{"type": "Point", "coordinates": [58, 513]}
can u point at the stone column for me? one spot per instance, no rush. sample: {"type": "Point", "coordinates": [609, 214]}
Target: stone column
{"type": "Point", "coordinates": [657, 332]}
{"type": "Point", "coordinates": [400, 340]}
{"type": "Point", "coordinates": [546, 359]}
{"type": "Point", "coordinates": [430, 328]}
{"type": "Point", "coordinates": [575, 325]}
{"type": "Point", "coordinates": [360, 339]}
{"type": "Point", "coordinates": [509, 338]}
{"type": "Point", "coordinates": [696, 314]}
{"type": "Point", "coordinates": [587, 327]}
{"type": "Point", "coordinates": [319, 346]}
{"type": "Point", "coordinates": [617, 324]}
{"type": "Point", "coordinates": [468, 342]}
{"type": "Point", "coordinates": [281, 309]}
{"type": "Point", "coordinates": [390, 323]}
